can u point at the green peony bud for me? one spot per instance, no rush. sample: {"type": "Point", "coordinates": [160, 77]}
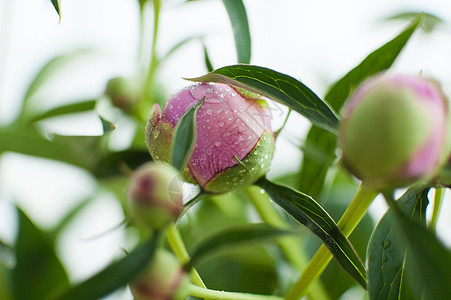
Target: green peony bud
{"type": "Point", "coordinates": [234, 144]}
{"type": "Point", "coordinates": [163, 279]}
{"type": "Point", "coordinates": [122, 93]}
{"type": "Point", "coordinates": [394, 130]}
{"type": "Point", "coordinates": [154, 195]}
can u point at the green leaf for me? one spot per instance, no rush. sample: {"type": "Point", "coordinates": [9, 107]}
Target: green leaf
{"type": "Point", "coordinates": [313, 173]}
{"type": "Point", "coordinates": [177, 46]}
{"type": "Point", "coordinates": [83, 151]}
{"type": "Point", "coordinates": [240, 26]}
{"type": "Point", "coordinates": [432, 260]}
{"type": "Point", "coordinates": [279, 87]}
{"type": "Point", "coordinates": [184, 137]}
{"type": "Point", "coordinates": [379, 60]}
{"type": "Point", "coordinates": [428, 24]}
{"type": "Point", "coordinates": [115, 275]}
{"type": "Point", "coordinates": [386, 251]}
{"type": "Point", "coordinates": [207, 60]}
{"type": "Point", "coordinates": [318, 157]}
{"type": "Point", "coordinates": [56, 5]}
{"type": "Point", "coordinates": [67, 109]}
{"type": "Point", "coordinates": [50, 69]}
{"type": "Point", "coordinates": [245, 235]}
{"type": "Point", "coordinates": [7, 255]}
{"type": "Point", "coordinates": [69, 217]}
{"type": "Point", "coordinates": [107, 126]}
{"type": "Point", "coordinates": [38, 273]}
{"type": "Point", "coordinates": [309, 213]}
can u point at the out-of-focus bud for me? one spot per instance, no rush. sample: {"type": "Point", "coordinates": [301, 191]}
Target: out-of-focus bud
{"type": "Point", "coordinates": [154, 195]}
{"type": "Point", "coordinates": [123, 93]}
{"type": "Point", "coordinates": [394, 130]}
{"type": "Point", "coordinates": [234, 144]}
{"type": "Point", "coordinates": [164, 279]}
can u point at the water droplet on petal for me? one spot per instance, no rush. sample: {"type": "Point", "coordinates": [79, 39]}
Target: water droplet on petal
{"type": "Point", "coordinates": [208, 90]}
{"type": "Point", "coordinates": [218, 143]}
{"type": "Point", "coordinates": [209, 111]}
{"type": "Point", "coordinates": [221, 124]}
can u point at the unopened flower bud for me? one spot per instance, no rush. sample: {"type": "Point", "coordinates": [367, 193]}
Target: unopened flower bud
{"type": "Point", "coordinates": [122, 93]}
{"type": "Point", "coordinates": [394, 130]}
{"type": "Point", "coordinates": [154, 195]}
{"type": "Point", "coordinates": [163, 279]}
{"type": "Point", "coordinates": [234, 145]}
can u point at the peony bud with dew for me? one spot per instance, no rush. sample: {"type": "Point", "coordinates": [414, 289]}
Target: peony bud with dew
{"type": "Point", "coordinates": [163, 279]}
{"type": "Point", "coordinates": [154, 195]}
{"type": "Point", "coordinates": [394, 130]}
{"type": "Point", "coordinates": [234, 145]}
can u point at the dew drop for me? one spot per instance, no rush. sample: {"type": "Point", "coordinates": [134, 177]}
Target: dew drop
{"type": "Point", "coordinates": [171, 106]}
{"type": "Point", "coordinates": [221, 124]}
{"type": "Point", "coordinates": [266, 156]}
{"type": "Point", "coordinates": [208, 90]}
{"type": "Point", "coordinates": [209, 111]}
{"type": "Point", "coordinates": [262, 191]}
{"type": "Point", "coordinates": [218, 143]}
{"type": "Point", "coordinates": [233, 94]}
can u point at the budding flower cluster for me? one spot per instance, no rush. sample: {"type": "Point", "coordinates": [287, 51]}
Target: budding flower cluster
{"type": "Point", "coordinates": [394, 130]}
{"type": "Point", "coordinates": [234, 145]}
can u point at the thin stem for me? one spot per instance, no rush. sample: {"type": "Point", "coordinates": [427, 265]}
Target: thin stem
{"type": "Point", "coordinates": [438, 200]}
{"type": "Point", "coordinates": [149, 83]}
{"type": "Point", "coordinates": [350, 219]}
{"type": "Point", "coordinates": [191, 203]}
{"type": "Point", "coordinates": [290, 246]}
{"type": "Point", "coordinates": [178, 246]}
{"type": "Point", "coordinates": [197, 291]}
{"type": "Point", "coordinates": [142, 33]}
{"type": "Point", "coordinates": [276, 133]}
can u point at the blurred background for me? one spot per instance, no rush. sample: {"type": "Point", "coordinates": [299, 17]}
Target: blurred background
{"type": "Point", "coordinates": [315, 41]}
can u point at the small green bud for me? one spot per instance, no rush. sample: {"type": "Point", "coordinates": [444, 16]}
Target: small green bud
{"type": "Point", "coordinates": [394, 130]}
{"type": "Point", "coordinates": [122, 93]}
{"type": "Point", "coordinates": [154, 195]}
{"type": "Point", "coordinates": [163, 279]}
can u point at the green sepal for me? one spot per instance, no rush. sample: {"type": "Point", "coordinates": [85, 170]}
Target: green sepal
{"type": "Point", "coordinates": [247, 171]}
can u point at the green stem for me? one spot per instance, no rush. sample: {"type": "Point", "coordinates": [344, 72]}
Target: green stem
{"type": "Point", "coordinates": [176, 243]}
{"type": "Point", "coordinates": [438, 200]}
{"type": "Point", "coordinates": [350, 219]}
{"type": "Point", "coordinates": [197, 291]}
{"type": "Point", "coordinates": [149, 83]}
{"type": "Point", "coordinates": [290, 246]}
{"type": "Point", "coordinates": [276, 133]}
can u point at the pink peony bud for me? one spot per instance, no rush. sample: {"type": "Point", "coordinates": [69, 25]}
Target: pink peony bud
{"type": "Point", "coordinates": [154, 195]}
{"type": "Point", "coordinates": [394, 130]}
{"type": "Point", "coordinates": [164, 279]}
{"type": "Point", "coordinates": [234, 144]}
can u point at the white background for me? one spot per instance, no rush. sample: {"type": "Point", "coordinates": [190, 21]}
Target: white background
{"type": "Point", "coordinates": [316, 41]}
